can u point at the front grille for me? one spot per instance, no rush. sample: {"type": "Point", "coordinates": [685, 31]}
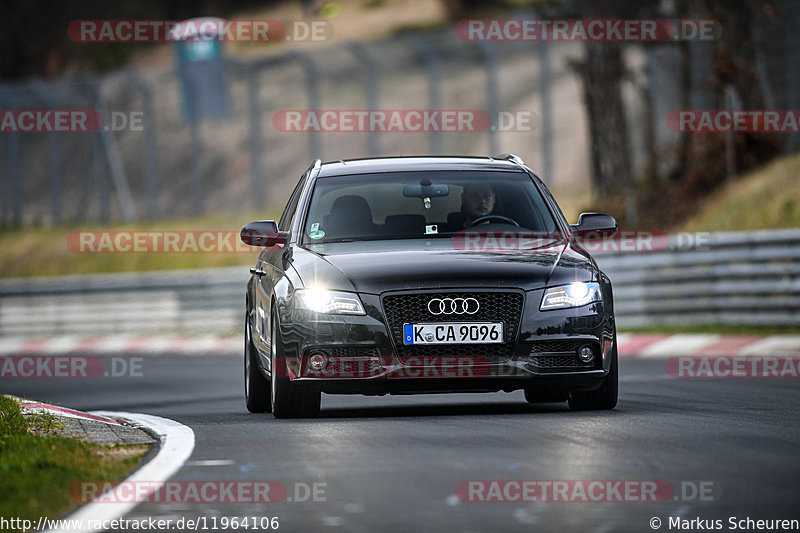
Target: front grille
{"type": "Point", "coordinates": [495, 306]}
{"type": "Point", "coordinates": [559, 354]}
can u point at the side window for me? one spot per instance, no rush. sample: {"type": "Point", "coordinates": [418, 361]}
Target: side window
{"type": "Point", "coordinates": [291, 206]}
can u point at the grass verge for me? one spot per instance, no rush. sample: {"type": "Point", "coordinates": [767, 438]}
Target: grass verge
{"type": "Point", "coordinates": [38, 467]}
{"type": "Point", "coordinates": [44, 251]}
{"type": "Point", "coordinates": [766, 198]}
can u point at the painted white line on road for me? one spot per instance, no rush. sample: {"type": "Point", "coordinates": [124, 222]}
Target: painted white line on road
{"type": "Point", "coordinates": [177, 443]}
{"type": "Point", "coordinates": [212, 462]}
{"type": "Point", "coordinates": [678, 345]}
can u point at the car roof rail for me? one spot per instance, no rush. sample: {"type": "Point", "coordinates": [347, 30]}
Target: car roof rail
{"type": "Point", "coordinates": [511, 157]}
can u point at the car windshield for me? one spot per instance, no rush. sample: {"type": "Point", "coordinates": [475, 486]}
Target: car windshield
{"type": "Point", "coordinates": [407, 205]}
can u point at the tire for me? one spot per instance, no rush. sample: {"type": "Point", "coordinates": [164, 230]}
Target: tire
{"type": "Point", "coordinates": [604, 398]}
{"type": "Point", "coordinates": [288, 399]}
{"type": "Point", "coordinates": [256, 386]}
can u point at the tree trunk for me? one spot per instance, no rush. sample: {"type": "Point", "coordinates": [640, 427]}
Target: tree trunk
{"type": "Point", "coordinates": [602, 73]}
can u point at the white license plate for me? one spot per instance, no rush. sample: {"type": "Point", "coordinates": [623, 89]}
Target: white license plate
{"type": "Point", "coordinates": [453, 333]}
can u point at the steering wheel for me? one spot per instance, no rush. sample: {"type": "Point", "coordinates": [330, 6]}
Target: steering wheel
{"type": "Point", "coordinates": [483, 219]}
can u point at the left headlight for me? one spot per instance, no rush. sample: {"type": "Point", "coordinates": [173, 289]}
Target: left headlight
{"type": "Point", "coordinates": [572, 295]}
{"type": "Point", "coordinates": [329, 302]}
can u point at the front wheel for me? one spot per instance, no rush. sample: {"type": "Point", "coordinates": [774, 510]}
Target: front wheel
{"type": "Point", "coordinates": [288, 399]}
{"type": "Point", "coordinates": [605, 397]}
{"type": "Point", "coordinates": [256, 386]}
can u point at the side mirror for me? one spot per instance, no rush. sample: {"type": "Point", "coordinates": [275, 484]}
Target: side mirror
{"type": "Point", "coordinates": [594, 222]}
{"type": "Point", "coordinates": [262, 233]}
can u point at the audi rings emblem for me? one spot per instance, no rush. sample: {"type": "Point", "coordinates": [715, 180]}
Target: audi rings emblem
{"type": "Point", "coordinates": [453, 306]}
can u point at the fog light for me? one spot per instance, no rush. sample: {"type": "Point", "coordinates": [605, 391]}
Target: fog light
{"type": "Point", "coordinates": [586, 353]}
{"type": "Point", "coordinates": [317, 361]}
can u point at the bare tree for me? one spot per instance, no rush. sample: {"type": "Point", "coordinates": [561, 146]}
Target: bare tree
{"type": "Point", "coordinates": [602, 73]}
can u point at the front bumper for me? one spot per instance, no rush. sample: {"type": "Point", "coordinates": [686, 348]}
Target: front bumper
{"type": "Point", "coordinates": [360, 355]}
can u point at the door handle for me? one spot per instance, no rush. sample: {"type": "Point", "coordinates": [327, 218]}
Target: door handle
{"type": "Point", "coordinates": [257, 271]}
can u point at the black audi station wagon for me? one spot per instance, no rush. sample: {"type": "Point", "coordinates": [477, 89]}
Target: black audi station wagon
{"type": "Point", "coordinates": [407, 275]}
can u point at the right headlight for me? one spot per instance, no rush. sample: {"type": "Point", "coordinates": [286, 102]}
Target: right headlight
{"type": "Point", "coordinates": [572, 295]}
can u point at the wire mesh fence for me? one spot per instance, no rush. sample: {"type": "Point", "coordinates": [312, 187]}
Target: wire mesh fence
{"type": "Point", "coordinates": [149, 160]}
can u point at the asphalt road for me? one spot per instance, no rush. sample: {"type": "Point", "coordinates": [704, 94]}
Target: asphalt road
{"type": "Point", "coordinates": [394, 463]}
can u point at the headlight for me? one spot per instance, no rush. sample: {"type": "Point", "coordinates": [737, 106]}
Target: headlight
{"type": "Point", "coordinates": [572, 295]}
{"type": "Point", "coordinates": [330, 302]}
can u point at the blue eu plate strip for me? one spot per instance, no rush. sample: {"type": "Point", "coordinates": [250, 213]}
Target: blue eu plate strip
{"type": "Point", "coordinates": [408, 334]}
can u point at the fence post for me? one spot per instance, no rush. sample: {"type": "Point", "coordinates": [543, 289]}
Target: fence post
{"type": "Point", "coordinates": [791, 64]}
{"type": "Point", "coordinates": [371, 90]}
{"type": "Point", "coordinates": [39, 88]}
{"type": "Point", "coordinates": [151, 165]}
{"type": "Point", "coordinates": [312, 90]}
{"type": "Point", "coordinates": [547, 110]}
{"type": "Point", "coordinates": [109, 146]}
{"type": "Point", "coordinates": [732, 103]}
{"type": "Point", "coordinates": [13, 162]}
{"type": "Point", "coordinates": [196, 141]}
{"type": "Point", "coordinates": [434, 79]}
{"type": "Point", "coordinates": [99, 176]}
{"type": "Point", "coordinates": [490, 57]}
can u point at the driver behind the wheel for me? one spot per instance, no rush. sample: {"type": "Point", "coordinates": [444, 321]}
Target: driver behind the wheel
{"type": "Point", "coordinates": [477, 201]}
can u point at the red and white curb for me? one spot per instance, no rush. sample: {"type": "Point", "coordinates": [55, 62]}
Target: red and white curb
{"type": "Point", "coordinates": [659, 346]}
{"type": "Point", "coordinates": [656, 346]}
{"type": "Point", "coordinates": [36, 407]}
{"type": "Point", "coordinates": [69, 344]}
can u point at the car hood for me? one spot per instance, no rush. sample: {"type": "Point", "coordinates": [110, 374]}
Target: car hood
{"type": "Point", "coordinates": [378, 266]}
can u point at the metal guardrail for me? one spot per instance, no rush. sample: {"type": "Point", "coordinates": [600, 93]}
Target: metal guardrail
{"type": "Point", "coordinates": [184, 302]}
{"type": "Point", "coordinates": [739, 278]}
{"type": "Point", "coordinates": [743, 278]}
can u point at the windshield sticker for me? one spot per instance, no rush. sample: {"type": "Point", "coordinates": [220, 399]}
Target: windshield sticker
{"type": "Point", "coordinates": [431, 229]}
{"type": "Point", "coordinates": [316, 234]}
{"type": "Point", "coordinates": [314, 227]}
